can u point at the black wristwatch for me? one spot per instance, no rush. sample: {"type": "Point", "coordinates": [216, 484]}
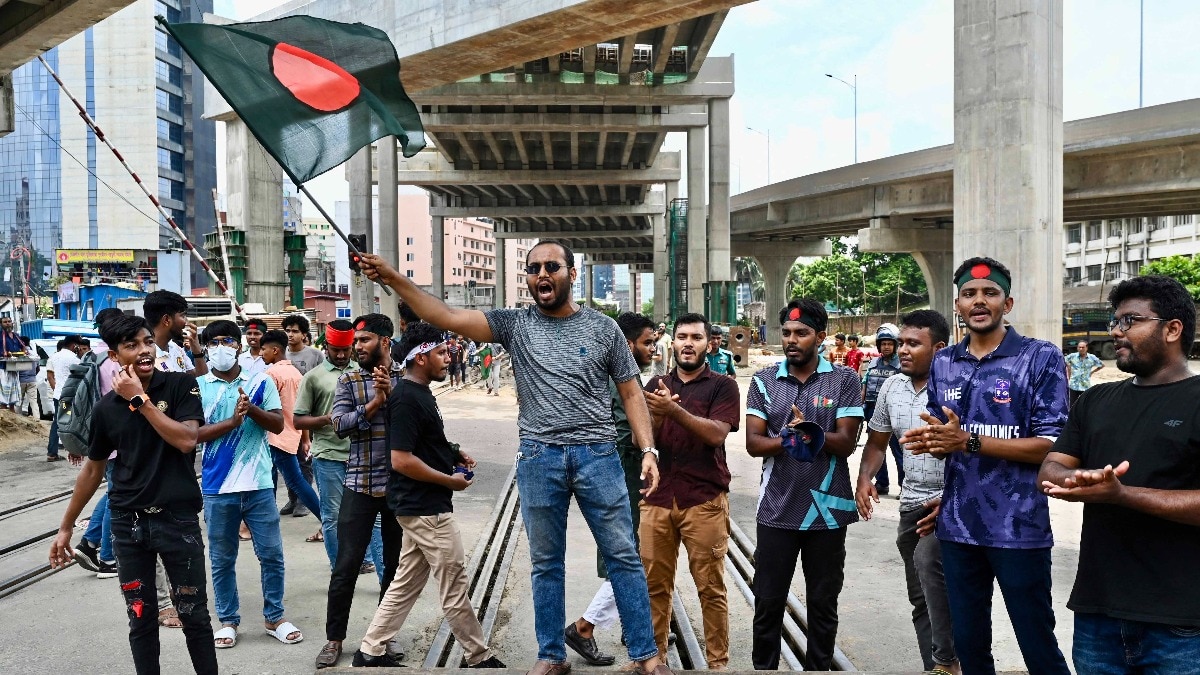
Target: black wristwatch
{"type": "Point", "coordinates": [974, 444]}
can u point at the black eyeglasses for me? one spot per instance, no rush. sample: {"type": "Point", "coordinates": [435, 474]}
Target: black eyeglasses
{"type": "Point", "coordinates": [552, 267]}
{"type": "Point", "coordinates": [1126, 321]}
{"type": "Point", "coordinates": [222, 342]}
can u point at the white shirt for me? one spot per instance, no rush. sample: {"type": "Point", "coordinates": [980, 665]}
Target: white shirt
{"type": "Point", "coordinates": [174, 360]}
{"type": "Point", "coordinates": [60, 364]}
{"type": "Point", "coordinates": [251, 365]}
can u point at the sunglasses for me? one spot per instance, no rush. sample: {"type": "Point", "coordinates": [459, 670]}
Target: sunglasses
{"type": "Point", "coordinates": [552, 267]}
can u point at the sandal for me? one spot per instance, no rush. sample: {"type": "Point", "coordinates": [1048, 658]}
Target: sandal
{"type": "Point", "coordinates": [169, 618]}
{"type": "Point", "coordinates": [312, 539]}
{"type": "Point", "coordinates": [226, 633]}
{"type": "Point", "coordinates": [284, 632]}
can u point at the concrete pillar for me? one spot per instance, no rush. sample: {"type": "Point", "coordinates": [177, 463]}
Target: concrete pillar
{"type": "Point", "coordinates": [8, 120]}
{"type": "Point", "coordinates": [388, 246]}
{"type": "Point", "coordinates": [775, 270]}
{"type": "Point", "coordinates": [362, 291]}
{"type": "Point", "coordinates": [1008, 149]}
{"type": "Point", "coordinates": [719, 262]}
{"type": "Point", "coordinates": [501, 297]}
{"type": "Point", "coordinates": [437, 237]}
{"type": "Point", "coordinates": [697, 229]}
{"type": "Point", "coordinates": [662, 268]}
{"type": "Point", "coordinates": [635, 291]}
{"type": "Point", "coordinates": [931, 247]}
{"type": "Point", "coordinates": [589, 284]}
{"type": "Point", "coordinates": [255, 188]}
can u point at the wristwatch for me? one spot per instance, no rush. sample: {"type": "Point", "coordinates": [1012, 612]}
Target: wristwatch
{"type": "Point", "coordinates": [652, 450]}
{"type": "Point", "coordinates": [137, 401]}
{"type": "Point", "coordinates": [201, 355]}
{"type": "Point", "coordinates": [974, 444]}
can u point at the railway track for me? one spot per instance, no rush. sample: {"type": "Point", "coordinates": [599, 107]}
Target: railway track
{"type": "Point", "coordinates": [36, 573]}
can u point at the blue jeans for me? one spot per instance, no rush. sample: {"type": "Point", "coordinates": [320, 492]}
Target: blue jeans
{"type": "Point", "coordinates": [99, 527]}
{"type": "Point", "coordinates": [1024, 579]}
{"type": "Point", "coordinates": [547, 476]}
{"type": "Point", "coordinates": [330, 475]}
{"type": "Point", "coordinates": [288, 466]}
{"type": "Point", "coordinates": [223, 513]}
{"type": "Point", "coordinates": [1108, 646]}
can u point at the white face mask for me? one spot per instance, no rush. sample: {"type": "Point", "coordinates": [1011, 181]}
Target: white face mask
{"type": "Point", "coordinates": [222, 358]}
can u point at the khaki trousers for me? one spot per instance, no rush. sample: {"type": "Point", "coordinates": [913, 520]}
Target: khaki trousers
{"type": "Point", "coordinates": [704, 532]}
{"type": "Point", "coordinates": [432, 544]}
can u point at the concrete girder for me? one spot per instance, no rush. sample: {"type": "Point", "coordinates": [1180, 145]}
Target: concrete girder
{"type": "Point", "coordinates": [665, 43]}
{"type": "Point", "coordinates": [517, 211]}
{"type": "Point", "coordinates": [466, 148]}
{"type": "Point", "coordinates": [440, 145]}
{"type": "Point", "coordinates": [627, 152]}
{"type": "Point", "coordinates": [698, 51]}
{"type": "Point", "coordinates": [715, 80]}
{"type": "Point", "coordinates": [625, 62]}
{"type": "Point", "coordinates": [680, 118]}
{"type": "Point", "coordinates": [601, 149]}
{"type": "Point", "coordinates": [431, 168]}
{"type": "Point", "coordinates": [494, 147]}
{"type": "Point", "coordinates": [34, 27]}
{"type": "Point", "coordinates": [522, 151]}
{"type": "Point", "coordinates": [577, 234]}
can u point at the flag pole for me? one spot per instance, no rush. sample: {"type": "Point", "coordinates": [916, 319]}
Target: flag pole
{"type": "Point", "coordinates": [153, 200]}
{"type": "Point", "coordinates": [354, 252]}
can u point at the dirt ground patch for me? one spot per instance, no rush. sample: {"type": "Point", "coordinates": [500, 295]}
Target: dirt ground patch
{"type": "Point", "coordinates": [18, 432]}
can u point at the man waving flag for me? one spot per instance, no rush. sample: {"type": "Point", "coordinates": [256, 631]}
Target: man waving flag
{"type": "Point", "coordinates": [311, 91]}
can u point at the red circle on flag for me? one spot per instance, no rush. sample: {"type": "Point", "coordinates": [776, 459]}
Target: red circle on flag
{"type": "Point", "coordinates": [980, 271]}
{"type": "Point", "coordinates": [314, 80]}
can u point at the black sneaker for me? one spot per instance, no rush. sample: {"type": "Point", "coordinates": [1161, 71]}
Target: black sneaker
{"type": "Point", "coordinates": [287, 509]}
{"type": "Point", "coordinates": [87, 556]}
{"type": "Point", "coordinates": [300, 511]}
{"type": "Point", "coordinates": [107, 570]}
{"type": "Point", "coordinates": [362, 660]}
{"type": "Point", "coordinates": [490, 662]}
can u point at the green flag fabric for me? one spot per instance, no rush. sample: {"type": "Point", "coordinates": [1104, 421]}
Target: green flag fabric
{"type": "Point", "coordinates": [311, 91]}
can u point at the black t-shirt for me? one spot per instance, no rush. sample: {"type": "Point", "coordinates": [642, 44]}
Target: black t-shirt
{"type": "Point", "coordinates": [147, 471]}
{"type": "Point", "coordinates": [416, 426]}
{"type": "Point", "coordinates": [1132, 565]}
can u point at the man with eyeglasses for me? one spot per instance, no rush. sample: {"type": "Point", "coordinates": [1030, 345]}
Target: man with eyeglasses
{"type": "Point", "coordinates": [997, 401]}
{"type": "Point", "coordinates": [1129, 454]}
{"type": "Point", "coordinates": [560, 346]}
{"type": "Point", "coordinates": [236, 481]}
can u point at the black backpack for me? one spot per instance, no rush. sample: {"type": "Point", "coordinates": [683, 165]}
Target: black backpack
{"type": "Point", "coordinates": [79, 396]}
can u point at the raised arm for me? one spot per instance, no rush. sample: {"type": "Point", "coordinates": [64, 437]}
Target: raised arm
{"type": "Point", "coordinates": [469, 322]}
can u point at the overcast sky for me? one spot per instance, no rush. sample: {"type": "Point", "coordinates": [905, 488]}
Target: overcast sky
{"type": "Point", "coordinates": [902, 53]}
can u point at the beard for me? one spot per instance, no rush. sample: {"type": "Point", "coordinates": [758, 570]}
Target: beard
{"type": "Point", "coordinates": [372, 359]}
{"type": "Point", "coordinates": [1144, 360]}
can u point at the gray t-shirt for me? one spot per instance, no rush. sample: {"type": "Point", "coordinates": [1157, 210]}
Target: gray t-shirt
{"type": "Point", "coordinates": [305, 359]}
{"type": "Point", "coordinates": [897, 410]}
{"type": "Point", "coordinates": [562, 367]}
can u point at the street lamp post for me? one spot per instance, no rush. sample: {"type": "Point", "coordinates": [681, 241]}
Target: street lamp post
{"type": "Point", "coordinates": [768, 135]}
{"type": "Point", "coordinates": [854, 88]}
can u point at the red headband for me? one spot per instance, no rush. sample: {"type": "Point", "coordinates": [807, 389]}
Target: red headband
{"type": "Point", "coordinates": [338, 338]}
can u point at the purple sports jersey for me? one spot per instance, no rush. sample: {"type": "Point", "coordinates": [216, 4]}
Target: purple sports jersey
{"type": "Point", "coordinates": [1017, 391]}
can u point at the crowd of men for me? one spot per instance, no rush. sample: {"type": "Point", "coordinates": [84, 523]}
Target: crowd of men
{"type": "Point", "coordinates": [982, 430]}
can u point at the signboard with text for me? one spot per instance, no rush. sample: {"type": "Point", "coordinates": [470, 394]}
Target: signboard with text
{"type": "Point", "coordinates": [66, 256]}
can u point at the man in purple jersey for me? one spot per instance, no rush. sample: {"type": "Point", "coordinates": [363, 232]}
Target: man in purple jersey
{"type": "Point", "coordinates": [997, 401]}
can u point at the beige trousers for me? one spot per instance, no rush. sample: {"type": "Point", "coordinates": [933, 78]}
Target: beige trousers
{"type": "Point", "coordinates": [432, 544]}
{"type": "Point", "coordinates": [704, 531]}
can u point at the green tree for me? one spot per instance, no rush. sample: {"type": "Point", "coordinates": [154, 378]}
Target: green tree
{"type": "Point", "coordinates": [1182, 268]}
{"type": "Point", "coordinates": [859, 282]}
{"type": "Point", "coordinates": [648, 307]}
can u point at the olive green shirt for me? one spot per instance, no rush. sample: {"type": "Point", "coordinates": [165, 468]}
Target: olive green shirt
{"type": "Point", "coordinates": [315, 397]}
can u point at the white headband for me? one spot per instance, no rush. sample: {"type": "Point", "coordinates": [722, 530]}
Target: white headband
{"type": "Point", "coordinates": [423, 348]}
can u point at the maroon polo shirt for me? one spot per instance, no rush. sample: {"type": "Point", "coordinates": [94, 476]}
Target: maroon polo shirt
{"type": "Point", "coordinates": [691, 472]}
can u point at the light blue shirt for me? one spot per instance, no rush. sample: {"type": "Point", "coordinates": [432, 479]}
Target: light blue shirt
{"type": "Point", "coordinates": [239, 461]}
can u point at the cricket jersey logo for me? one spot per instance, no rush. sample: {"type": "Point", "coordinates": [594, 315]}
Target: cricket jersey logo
{"type": "Point", "coordinates": [1003, 392]}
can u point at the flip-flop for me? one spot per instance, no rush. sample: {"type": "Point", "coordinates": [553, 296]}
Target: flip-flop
{"type": "Point", "coordinates": [282, 631]}
{"type": "Point", "coordinates": [225, 633]}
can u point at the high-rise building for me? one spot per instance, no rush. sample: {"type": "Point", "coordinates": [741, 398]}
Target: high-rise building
{"type": "Point", "coordinates": [60, 188]}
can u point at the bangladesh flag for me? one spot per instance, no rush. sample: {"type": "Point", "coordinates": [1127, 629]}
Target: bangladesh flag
{"type": "Point", "coordinates": [311, 91]}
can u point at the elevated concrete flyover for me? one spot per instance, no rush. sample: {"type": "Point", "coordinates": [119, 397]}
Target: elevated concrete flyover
{"type": "Point", "coordinates": [546, 115]}
{"type": "Point", "coordinates": [1130, 164]}
{"type": "Point", "coordinates": [29, 28]}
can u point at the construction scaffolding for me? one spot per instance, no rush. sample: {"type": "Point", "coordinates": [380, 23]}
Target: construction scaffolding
{"type": "Point", "coordinates": [678, 255]}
